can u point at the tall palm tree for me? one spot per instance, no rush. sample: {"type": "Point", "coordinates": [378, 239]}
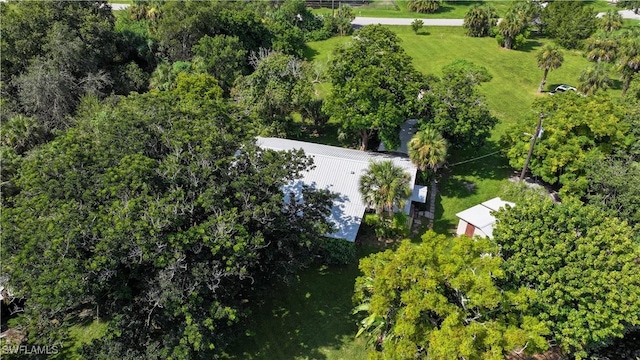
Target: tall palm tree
{"type": "Point", "coordinates": [629, 58]}
{"type": "Point", "coordinates": [602, 47]}
{"type": "Point", "coordinates": [611, 21]}
{"type": "Point", "coordinates": [385, 186]}
{"type": "Point", "coordinates": [594, 78]}
{"type": "Point", "coordinates": [428, 149]}
{"type": "Point", "coordinates": [510, 27]}
{"type": "Point", "coordinates": [549, 58]}
{"type": "Point", "coordinates": [424, 6]}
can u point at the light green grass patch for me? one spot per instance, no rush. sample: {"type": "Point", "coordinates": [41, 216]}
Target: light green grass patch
{"type": "Point", "coordinates": [82, 334]}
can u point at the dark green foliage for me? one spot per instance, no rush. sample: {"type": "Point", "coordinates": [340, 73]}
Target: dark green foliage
{"type": "Point", "coordinates": [512, 31]}
{"type": "Point", "coordinates": [395, 227]}
{"type": "Point", "coordinates": [145, 213]}
{"type": "Point", "coordinates": [182, 24]}
{"type": "Point", "coordinates": [374, 85]}
{"type": "Point", "coordinates": [569, 22]}
{"type": "Point", "coordinates": [577, 130]}
{"type": "Point", "coordinates": [614, 186]}
{"type": "Point", "coordinates": [337, 251]}
{"type": "Point", "coordinates": [479, 20]}
{"type": "Point", "coordinates": [222, 57]}
{"type": "Point", "coordinates": [280, 85]}
{"type": "Point", "coordinates": [457, 110]}
{"type": "Point", "coordinates": [581, 264]}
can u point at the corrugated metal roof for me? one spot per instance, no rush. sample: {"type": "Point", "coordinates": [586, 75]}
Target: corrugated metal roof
{"type": "Point", "coordinates": [480, 215]}
{"type": "Point", "coordinates": [338, 170]}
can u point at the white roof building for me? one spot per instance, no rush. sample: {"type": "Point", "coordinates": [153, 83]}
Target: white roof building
{"type": "Point", "coordinates": [339, 170]}
{"type": "Point", "coordinates": [478, 220]}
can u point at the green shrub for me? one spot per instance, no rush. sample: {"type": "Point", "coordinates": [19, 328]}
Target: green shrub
{"type": "Point", "coordinates": [337, 251]}
{"type": "Point", "coordinates": [390, 228]}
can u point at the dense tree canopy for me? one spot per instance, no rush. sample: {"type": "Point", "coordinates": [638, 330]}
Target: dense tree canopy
{"type": "Point", "coordinates": [577, 130]}
{"type": "Point", "coordinates": [456, 109]}
{"type": "Point", "coordinates": [279, 85]}
{"type": "Point", "coordinates": [440, 300]}
{"type": "Point", "coordinates": [144, 213]}
{"type": "Point", "coordinates": [569, 22]}
{"type": "Point", "coordinates": [373, 84]}
{"type": "Point", "coordinates": [581, 264]}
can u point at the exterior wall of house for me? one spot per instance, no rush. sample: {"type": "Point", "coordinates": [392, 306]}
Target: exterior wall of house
{"type": "Point", "coordinates": [462, 229]}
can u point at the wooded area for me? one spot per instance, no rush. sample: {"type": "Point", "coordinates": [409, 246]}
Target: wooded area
{"type": "Point", "coordinates": [133, 191]}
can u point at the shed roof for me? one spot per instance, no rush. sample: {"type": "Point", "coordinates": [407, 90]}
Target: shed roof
{"type": "Point", "coordinates": [480, 215]}
{"type": "Point", "coordinates": [338, 170]}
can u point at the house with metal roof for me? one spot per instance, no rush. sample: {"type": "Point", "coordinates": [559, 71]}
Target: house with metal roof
{"type": "Point", "coordinates": [339, 170]}
{"type": "Point", "coordinates": [478, 220]}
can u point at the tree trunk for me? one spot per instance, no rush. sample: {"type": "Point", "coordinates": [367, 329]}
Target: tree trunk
{"type": "Point", "coordinates": [364, 139]}
{"type": "Point", "coordinates": [625, 85]}
{"type": "Point", "coordinates": [544, 80]}
{"type": "Point", "coordinates": [432, 201]}
{"type": "Point", "coordinates": [508, 42]}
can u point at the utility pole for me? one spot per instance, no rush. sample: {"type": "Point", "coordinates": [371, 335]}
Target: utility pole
{"type": "Point", "coordinates": [533, 143]}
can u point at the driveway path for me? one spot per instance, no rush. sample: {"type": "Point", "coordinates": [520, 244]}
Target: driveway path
{"type": "Point", "coordinates": [362, 21]}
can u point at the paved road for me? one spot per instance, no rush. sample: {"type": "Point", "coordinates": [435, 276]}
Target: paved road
{"type": "Point", "coordinates": [361, 21]}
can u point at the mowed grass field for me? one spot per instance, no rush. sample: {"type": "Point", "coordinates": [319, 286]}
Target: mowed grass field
{"type": "Point", "coordinates": [509, 94]}
{"type": "Point", "coordinates": [448, 9]}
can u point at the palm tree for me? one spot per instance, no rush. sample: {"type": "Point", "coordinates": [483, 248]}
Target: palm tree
{"type": "Point", "coordinates": [549, 58]}
{"type": "Point", "coordinates": [602, 47]}
{"type": "Point", "coordinates": [629, 59]}
{"type": "Point", "coordinates": [510, 27]}
{"type": "Point", "coordinates": [428, 149]}
{"type": "Point", "coordinates": [424, 6]}
{"type": "Point", "coordinates": [611, 21]}
{"type": "Point", "coordinates": [594, 78]}
{"type": "Point", "coordinates": [385, 186]}
{"type": "Point", "coordinates": [479, 20]}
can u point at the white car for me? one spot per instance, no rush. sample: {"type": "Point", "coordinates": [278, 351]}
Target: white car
{"type": "Point", "coordinates": [563, 88]}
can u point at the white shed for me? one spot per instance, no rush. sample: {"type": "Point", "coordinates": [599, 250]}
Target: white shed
{"type": "Point", "coordinates": [478, 220]}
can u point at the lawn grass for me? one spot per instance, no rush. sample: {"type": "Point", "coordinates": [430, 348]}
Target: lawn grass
{"type": "Point", "coordinates": [448, 9]}
{"type": "Point", "coordinates": [309, 318]}
{"type": "Point", "coordinates": [515, 73]}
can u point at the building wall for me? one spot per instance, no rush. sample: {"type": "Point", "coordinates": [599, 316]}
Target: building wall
{"type": "Point", "coordinates": [462, 228]}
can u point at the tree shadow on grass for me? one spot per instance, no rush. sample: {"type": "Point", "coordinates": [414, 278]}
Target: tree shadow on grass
{"type": "Point", "coordinates": [440, 224]}
{"type": "Point", "coordinates": [298, 319]}
{"type": "Point", "coordinates": [445, 7]}
{"type": "Point", "coordinates": [486, 162]}
{"type": "Point", "coordinates": [530, 45]}
{"type": "Point", "coordinates": [309, 53]}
